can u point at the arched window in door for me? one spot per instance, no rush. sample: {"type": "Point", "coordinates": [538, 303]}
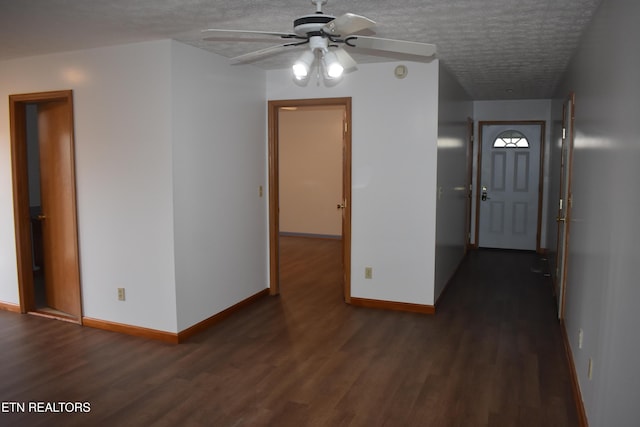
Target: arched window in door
{"type": "Point", "coordinates": [511, 139]}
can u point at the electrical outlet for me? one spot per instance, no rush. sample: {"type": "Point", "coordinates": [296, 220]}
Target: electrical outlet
{"type": "Point", "coordinates": [580, 337]}
{"type": "Point", "coordinates": [120, 294]}
{"type": "Point", "coordinates": [368, 273]}
{"type": "Point", "coordinates": [590, 369]}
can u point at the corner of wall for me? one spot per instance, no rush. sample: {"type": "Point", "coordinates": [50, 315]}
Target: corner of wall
{"type": "Point", "coordinates": [454, 109]}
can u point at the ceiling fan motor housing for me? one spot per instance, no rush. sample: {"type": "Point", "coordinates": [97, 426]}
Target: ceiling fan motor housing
{"type": "Point", "coordinates": [311, 23]}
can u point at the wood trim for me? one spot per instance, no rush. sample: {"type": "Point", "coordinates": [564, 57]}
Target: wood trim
{"type": "Point", "coordinates": [274, 214]}
{"type": "Point", "coordinates": [6, 306]}
{"type": "Point", "coordinates": [575, 385]}
{"type": "Point", "coordinates": [217, 318]}
{"type": "Point", "coordinates": [568, 164]}
{"type": "Point", "coordinates": [274, 197]}
{"type": "Point", "coordinates": [543, 134]}
{"type": "Point", "coordinates": [543, 139]}
{"type": "Point", "coordinates": [171, 337]}
{"type": "Point", "coordinates": [21, 214]}
{"type": "Point", "coordinates": [393, 305]}
{"type": "Point", "coordinates": [554, 271]}
{"type": "Point", "coordinates": [468, 184]}
{"type": "Point", "coordinates": [346, 190]}
{"type": "Point", "coordinates": [310, 235]}
{"type": "Point", "coordinates": [476, 234]}
{"type": "Point", "coordinates": [137, 331]}
{"type": "Point", "coordinates": [57, 316]}
{"type": "Point", "coordinates": [543, 131]}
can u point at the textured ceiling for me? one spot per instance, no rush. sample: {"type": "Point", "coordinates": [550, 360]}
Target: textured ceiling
{"type": "Point", "coordinates": [498, 49]}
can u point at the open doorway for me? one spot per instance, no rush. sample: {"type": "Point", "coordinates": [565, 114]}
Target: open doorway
{"type": "Point", "coordinates": [468, 185]}
{"type": "Point", "coordinates": [563, 219]}
{"type": "Point", "coordinates": [302, 209]}
{"type": "Point", "coordinates": [42, 149]}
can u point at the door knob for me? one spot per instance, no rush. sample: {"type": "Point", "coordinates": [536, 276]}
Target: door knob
{"type": "Point", "coordinates": [484, 194]}
{"type": "Point", "coordinates": [341, 206]}
{"type": "Point", "coordinates": [560, 219]}
{"type": "Point", "coordinates": [41, 217]}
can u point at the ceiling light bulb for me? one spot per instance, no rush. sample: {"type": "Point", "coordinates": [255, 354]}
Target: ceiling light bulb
{"type": "Point", "coordinates": [302, 66]}
{"type": "Point", "coordinates": [331, 64]}
{"type": "Point", "coordinates": [335, 70]}
{"type": "Point", "coordinates": [300, 70]}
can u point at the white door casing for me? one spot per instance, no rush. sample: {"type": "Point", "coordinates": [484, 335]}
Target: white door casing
{"type": "Point", "coordinates": [509, 189]}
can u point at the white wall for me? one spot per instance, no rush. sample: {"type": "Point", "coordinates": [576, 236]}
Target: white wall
{"type": "Point", "coordinates": [394, 152]}
{"type": "Point", "coordinates": [454, 107]}
{"type": "Point", "coordinates": [123, 171]}
{"type": "Point", "coordinates": [602, 290]}
{"type": "Point", "coordinates": [514, 110]}
{"type": "Point", "coordinates": [219, 153]}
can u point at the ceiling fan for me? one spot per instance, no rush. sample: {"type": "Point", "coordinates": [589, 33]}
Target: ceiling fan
{"type": "Point", "coordinates": [326, 37]}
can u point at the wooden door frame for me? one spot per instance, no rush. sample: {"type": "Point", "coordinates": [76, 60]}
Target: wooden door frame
{"type": "Point", "coordinates": [274, 189]}
{"type": "Point", "coordinates": [469, 185]}
{"type": "Point", "coordinates": [568, 163]}
{"type": "Point", "coordinates": [481, 125]}
{"type": "Point", "coordinates": [21, 211]}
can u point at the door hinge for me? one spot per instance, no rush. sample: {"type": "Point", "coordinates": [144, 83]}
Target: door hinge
{"type": "Point", "coordinates": [560, 205]}
{"type": "Point", "coordinates": [346, 127]}
{"type": "Point", "coordinates": [564, 133]}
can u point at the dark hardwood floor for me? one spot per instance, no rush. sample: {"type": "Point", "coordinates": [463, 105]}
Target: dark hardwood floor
{"type": "Point", "coordinates": [492, 355]}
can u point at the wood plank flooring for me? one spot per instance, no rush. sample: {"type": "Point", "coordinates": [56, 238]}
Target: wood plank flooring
{"type": "Point", "coordinates": [492, 355]}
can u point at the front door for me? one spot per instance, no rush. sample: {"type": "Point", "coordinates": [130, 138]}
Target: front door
{"type": "Point", "coordinates": [509, 186]}
{"type": "Point", "coordinates": [56, 207]}
{"type": "Point", "coordinates": [564, 203]}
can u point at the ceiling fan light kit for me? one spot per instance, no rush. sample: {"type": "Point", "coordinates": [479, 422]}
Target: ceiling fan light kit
{"type": "Point", "coordinates": [324, 36]}
{"type": "Point", "coordinates": [319, 52]}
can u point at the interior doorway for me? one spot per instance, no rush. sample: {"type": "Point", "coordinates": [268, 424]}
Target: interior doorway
{"type": "Point", "coordinates": [563, 218]}
{"type": "Point", "coordinates": [468, 185]}
{"type": "Point", "coordinates": [509, 185]}
{"type": "Point", "coordinates": [339, 205]}
{"type": "Point", "coordinates": [43, 166]}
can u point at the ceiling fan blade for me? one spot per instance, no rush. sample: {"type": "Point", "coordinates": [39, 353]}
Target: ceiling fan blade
{"type": "Point", "coordinates": [252, 56]}
{"type": "Point", "coordinates": [392, 46]}
{"type": "Point", "coordinates": [346, 24]}
{"type": "Point", "coordinates": [216, 33]}
{"type": "Point", "coordinates": [346, 60]}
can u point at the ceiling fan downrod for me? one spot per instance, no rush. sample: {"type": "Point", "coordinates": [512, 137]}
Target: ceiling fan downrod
{"type": "Point", "coordinates": [319, 4]}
